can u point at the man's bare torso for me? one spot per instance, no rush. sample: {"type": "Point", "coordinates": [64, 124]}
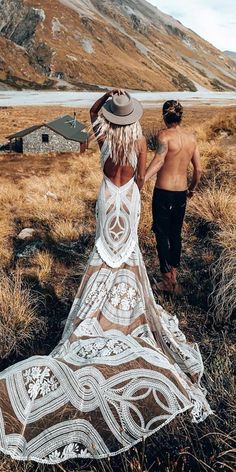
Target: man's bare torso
{"type": "Point", "coordinates": [181, 146]}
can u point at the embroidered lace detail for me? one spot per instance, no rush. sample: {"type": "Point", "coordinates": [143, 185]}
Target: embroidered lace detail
{"type": "Point", "coordinates": [39, 382]}
{"type": "Point", "coordinates": [123, 296]}
{"type": "Point", "coordinates": [97, 293]}
{"type": "Point", "coordinates": [102, 347]}
{"type": "Point", "coordinates": [71, 451]}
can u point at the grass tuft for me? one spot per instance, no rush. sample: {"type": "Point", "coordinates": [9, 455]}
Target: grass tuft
{"type": "Point", "coordinates": [19, 321]}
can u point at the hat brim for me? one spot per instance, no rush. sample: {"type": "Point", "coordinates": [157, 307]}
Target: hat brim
{"type": "Point", "coordinates": [122, 120]}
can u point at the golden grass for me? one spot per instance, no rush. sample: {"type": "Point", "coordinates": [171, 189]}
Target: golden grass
{"type": "Point", "coordinates": [224, 283]}
{"type": "Point", "coordinates": [226, 236]}
{"type": "Point", "coordinates": [10, 196]}
{"type": "Point", "coordinates": [222, 123]}
{"type": "Point", "coordinates": [214, 205]}
{"type": "Point", "coordinates": [224, 273]}
{"type": "Point", "coordinates": [66, 230]}
{"type": "Point", "coordinates": [44, 263]}
{"type": "Point", "coordinates": [6, 233]}
{"type": "Point", "coordinates": [18, 320]}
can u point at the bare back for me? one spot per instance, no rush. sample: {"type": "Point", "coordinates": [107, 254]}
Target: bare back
{"type": "Point", "coordinates": [181, 147]}
{"type": "Point", "coordinates": [121, 174]}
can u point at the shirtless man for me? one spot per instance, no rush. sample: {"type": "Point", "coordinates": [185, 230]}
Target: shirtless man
{"type": "Point", "coordinates": [176, 148]}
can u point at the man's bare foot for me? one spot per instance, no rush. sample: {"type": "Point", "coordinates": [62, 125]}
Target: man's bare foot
{"type": "Point", "coordinates": [166, 285]}
{"type": "Point", "coordinates": [174, 275]}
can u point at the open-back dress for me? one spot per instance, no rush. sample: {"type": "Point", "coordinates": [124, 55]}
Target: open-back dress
{"type": "Point", "coordinates": [122, 370]}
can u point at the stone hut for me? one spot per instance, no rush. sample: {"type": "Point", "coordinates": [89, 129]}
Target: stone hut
{"type": "Point", "coordinates": [61, 135]}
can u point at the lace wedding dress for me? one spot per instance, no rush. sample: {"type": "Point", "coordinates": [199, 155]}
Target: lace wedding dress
{"type": "Point", "coordinates": [122, 370]}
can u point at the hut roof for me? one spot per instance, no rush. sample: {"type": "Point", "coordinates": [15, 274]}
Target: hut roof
{"type": "Point", "coordinates": [66, 126]}
{"type": "Point", "coordinates": [24, 132]}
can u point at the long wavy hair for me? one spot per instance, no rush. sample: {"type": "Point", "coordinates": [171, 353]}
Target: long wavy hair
{"type": "Point", "coordinates": [123, 140]}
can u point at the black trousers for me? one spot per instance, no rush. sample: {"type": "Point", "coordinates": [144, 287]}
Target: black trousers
{"type": "Point", "coordinates": [168, 209]}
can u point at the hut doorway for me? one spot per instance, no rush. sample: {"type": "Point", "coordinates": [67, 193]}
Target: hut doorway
{"type": "Point", "coordinates": [19, 145]}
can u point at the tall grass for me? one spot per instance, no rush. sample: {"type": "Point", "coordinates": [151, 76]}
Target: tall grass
{"type": "Point", "coordinates": [215, 205]}
{"type": "Point", "coordinates": [223, 271]}
{"type": "Point", "coordinates": [18, 315]}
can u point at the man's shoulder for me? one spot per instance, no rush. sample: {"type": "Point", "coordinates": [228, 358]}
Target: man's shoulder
{"type": "Point", "coordinates": [167, 134]}
{"type": "Point", "coordinates": [163, 133]}
{"type": "Point", "coordinates": [189, 132]}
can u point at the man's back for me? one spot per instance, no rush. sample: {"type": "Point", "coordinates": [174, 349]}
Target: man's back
{"type": "Point", "coordinates": [181, 145]}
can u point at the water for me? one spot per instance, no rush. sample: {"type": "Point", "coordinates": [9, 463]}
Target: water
{"type": "Point", "coordinates": [86, 99]}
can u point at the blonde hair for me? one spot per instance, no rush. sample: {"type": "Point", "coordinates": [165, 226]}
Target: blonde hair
{"type": "Point", "coordinates": [123, 139]}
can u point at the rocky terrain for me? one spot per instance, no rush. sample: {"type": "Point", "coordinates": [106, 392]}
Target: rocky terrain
{"type": "Point", "coordinates": [85, 43]}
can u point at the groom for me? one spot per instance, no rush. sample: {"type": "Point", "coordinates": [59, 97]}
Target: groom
{"type": "Point", "coordinates": [176, 149]}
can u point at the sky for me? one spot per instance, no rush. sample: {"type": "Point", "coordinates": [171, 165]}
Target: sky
{"type": "Point", "coordinates": [214, 20]}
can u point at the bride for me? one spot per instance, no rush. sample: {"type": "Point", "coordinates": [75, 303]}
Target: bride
{"type": "Point", "coordinates": [123, 369]}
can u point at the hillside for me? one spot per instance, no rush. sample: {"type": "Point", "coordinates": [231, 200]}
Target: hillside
{"type": "Point", "coordinates": [85, 43]}
{"type": "Point", "coordinates": [231, 54]}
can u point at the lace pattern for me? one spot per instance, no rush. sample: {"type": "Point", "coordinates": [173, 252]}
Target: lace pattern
{"type": "Point", "coordinates": [118, 210]}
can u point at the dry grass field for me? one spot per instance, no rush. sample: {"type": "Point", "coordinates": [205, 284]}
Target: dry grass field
{"type": "Point", "coordinates": [39, 278]}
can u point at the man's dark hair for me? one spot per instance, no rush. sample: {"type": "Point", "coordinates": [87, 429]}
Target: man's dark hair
{"type": "Point", "coordinates": [172, 112]}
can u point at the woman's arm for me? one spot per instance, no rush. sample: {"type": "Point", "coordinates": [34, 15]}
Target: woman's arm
{"type": "Point", "coordinates": [100, 102]}
{"type": "Point", "coordinates": [98, 105]}
{"type": "Point", "coordinates": [142, 159]}
{"type": "Point", "coordinates": [95, 110]}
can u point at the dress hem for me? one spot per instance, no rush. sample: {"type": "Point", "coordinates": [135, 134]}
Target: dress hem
{"type": "Point", "coordinates": [102, 456]}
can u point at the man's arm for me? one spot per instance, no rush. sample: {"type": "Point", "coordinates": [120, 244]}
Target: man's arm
{"type": "Point", "coordinates": [160, 155]}
{"type": "Point", "coordinates": [142, 158]}
{"type": "Point", "coordinates": [197, 172]}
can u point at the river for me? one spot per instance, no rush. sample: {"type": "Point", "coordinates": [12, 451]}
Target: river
{"type": "Point", "coordinates": [86, 99]}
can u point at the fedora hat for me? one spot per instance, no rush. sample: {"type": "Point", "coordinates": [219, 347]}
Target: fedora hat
{"type": "Point", "coordinates": [122, 109]}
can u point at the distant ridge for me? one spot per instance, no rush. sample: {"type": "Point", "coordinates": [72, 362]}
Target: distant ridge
{"type": "Point", "coordinates": [231, 54]}
{"type": "Point", "coordinates": [80, 44]}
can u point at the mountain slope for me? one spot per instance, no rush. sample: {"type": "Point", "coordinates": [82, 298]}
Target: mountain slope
{"type": "Point", "coordinates": [231, 54]}
{"type": "Point", "coordinates": [82, 43]}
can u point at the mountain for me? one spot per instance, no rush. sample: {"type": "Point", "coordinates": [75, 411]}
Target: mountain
{"type": "Point", "coordinates": [122, 43]}
{"type": "Point", "coordinates": [231, 54]}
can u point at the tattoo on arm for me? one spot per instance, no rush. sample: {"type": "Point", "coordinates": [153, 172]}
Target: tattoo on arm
{"type": "Point", "coordinates": [160, 146]}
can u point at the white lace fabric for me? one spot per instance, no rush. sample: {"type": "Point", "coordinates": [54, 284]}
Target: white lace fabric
{"type": "Point", "coordinates": [117, 212]}
{"type": "Point", "coordinates": [123, 368]}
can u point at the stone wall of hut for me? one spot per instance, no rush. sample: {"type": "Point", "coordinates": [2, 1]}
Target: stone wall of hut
{"type": "Point", "coordinates": [34, 142]}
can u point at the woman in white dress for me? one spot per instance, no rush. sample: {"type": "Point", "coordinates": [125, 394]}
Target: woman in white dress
{"type": "Point", "coordinates": [122, 369]}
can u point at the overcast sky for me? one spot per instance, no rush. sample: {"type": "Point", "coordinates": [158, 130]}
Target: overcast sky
{"type": "Point", "coordinates": [214, 20]}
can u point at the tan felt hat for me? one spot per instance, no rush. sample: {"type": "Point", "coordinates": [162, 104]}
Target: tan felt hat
{"type": "Point", "coordinates": [122, 109]}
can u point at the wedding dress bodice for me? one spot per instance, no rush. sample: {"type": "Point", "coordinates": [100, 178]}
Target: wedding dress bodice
{"type": "Point", "coordinates": [119, 211]}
